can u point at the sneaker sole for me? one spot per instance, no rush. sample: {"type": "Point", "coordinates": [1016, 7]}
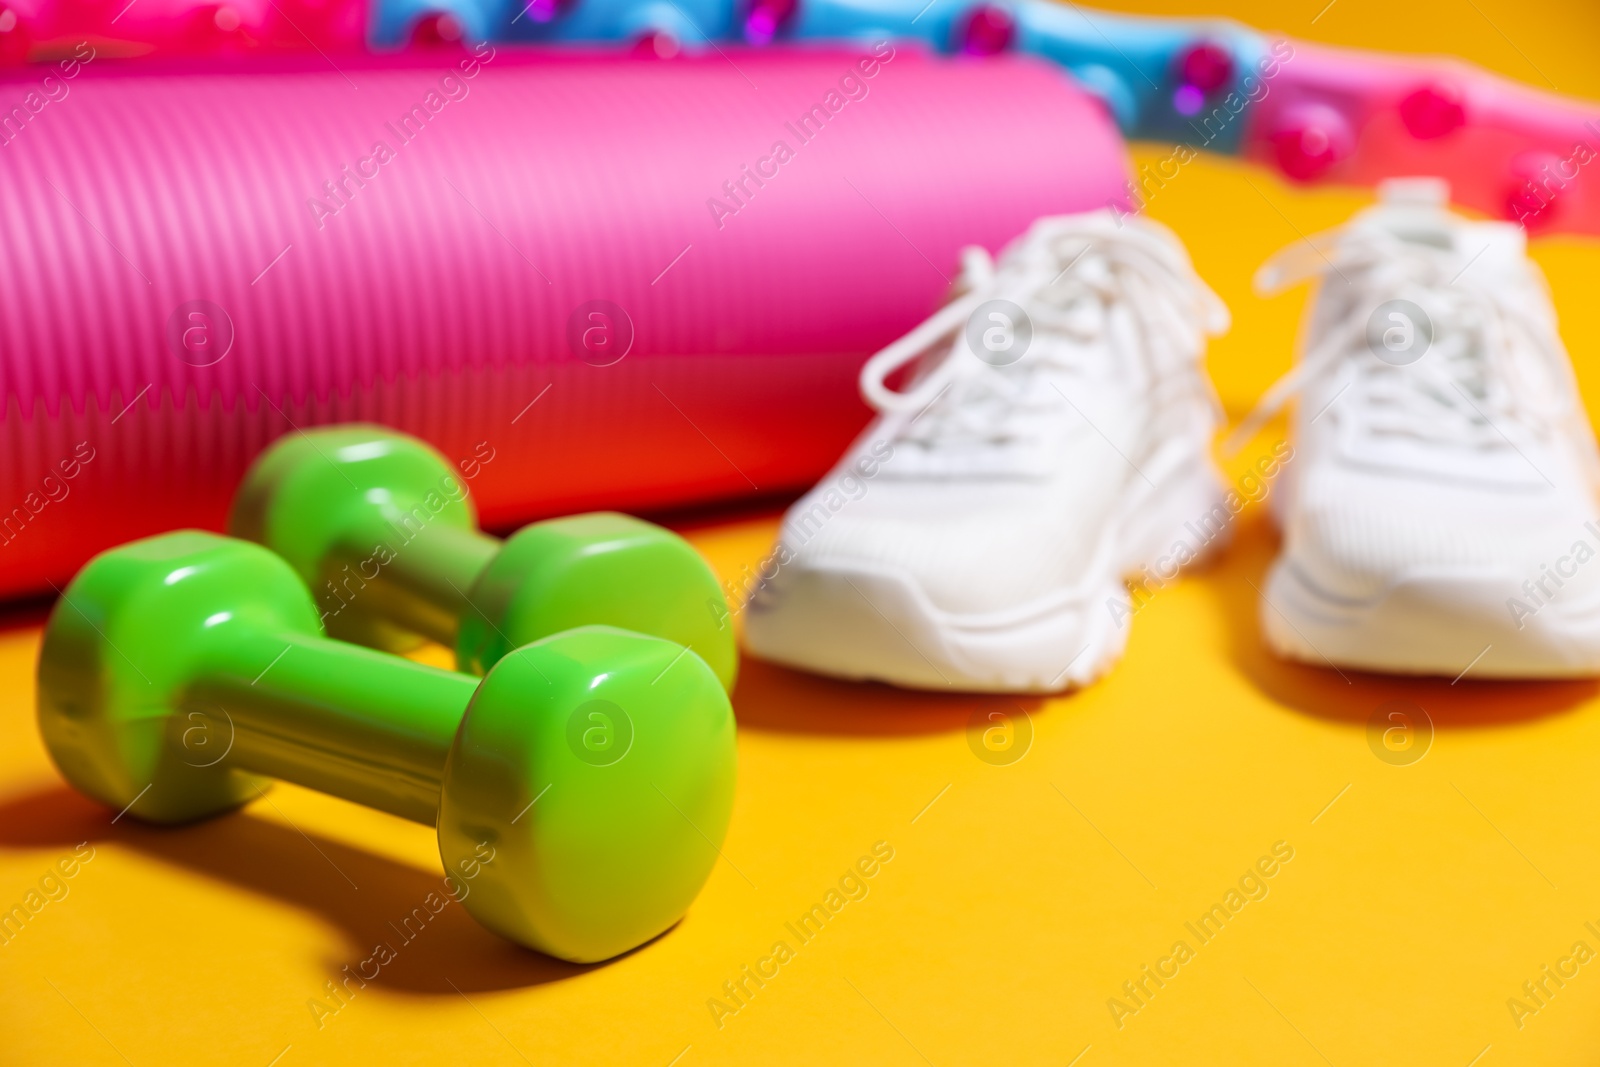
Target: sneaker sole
{"type": "Point", "coordinates": [865, 623]}
{"type": "Point", "coordinates": [1444, 625]}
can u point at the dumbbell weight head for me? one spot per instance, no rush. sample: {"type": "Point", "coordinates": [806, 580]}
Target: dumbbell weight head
{"type": "Point", "coordinates": [383, 521]}
{"type": "Point", "coordinates": [600, 568]}
{"type": "Point", "coordinates": [601, 806]}
{"type": "Point", "coordinates": [335, 502]}
{"type": "Point", "coordinates": [121, 650]}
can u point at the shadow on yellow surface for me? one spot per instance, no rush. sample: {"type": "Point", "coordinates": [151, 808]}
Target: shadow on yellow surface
{"type": "Point", "coordinates": [25, 614]}
{"type": "Point", "coordinates": [1352, 696]}
{"type": "Point", "coordinates": [261, 856]}
{"type": "Point", "coordinates": [776, 699]}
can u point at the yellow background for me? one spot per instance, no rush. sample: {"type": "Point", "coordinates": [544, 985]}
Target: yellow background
{"type": "Point", "coordinates": [1021, 899]}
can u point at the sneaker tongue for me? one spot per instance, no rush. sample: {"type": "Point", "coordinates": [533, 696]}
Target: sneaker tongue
{"type": "Point", "coordinates": [1417, 210]}
{"type": "Point", "coordinates": [1414, 209]}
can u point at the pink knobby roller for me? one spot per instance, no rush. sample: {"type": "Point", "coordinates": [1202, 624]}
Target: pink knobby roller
{"type": "Point", "coordinates": [49, 31]}
{"type": "Point", "coordinates": [589, 281]}
{"type": "Point", "coordinates": [1508, 150]}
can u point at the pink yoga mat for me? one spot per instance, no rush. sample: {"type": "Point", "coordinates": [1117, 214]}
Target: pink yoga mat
{"type": "Point", "coordinates": [591, 281]}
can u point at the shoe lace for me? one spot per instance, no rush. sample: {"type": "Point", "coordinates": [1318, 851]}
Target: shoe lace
{"type": "Point", "coordinates": [1067, 274]}
{"type": "Point", "coordinates": [1495, 368]}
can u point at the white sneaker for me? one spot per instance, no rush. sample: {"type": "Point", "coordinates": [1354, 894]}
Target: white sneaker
{"type": "Point", "coordinates": [1440, 512]}
{"type": "Point", "coordinates": [976, 536]}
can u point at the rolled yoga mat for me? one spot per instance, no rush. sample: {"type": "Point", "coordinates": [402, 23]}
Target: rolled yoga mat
{"type": "Point", "coordinates": [589, 281]}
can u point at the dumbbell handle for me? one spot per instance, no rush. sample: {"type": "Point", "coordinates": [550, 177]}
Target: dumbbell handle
{"type": "Point", "coordinates": [368, 727]}
{"type": "Point", "coordinates": [423, 587]}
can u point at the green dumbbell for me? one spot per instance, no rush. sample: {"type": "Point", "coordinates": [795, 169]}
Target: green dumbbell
{"type": "Point", "coordinates": [381, 529]}
{"type": "Point", "coordinates": [597, 764]}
